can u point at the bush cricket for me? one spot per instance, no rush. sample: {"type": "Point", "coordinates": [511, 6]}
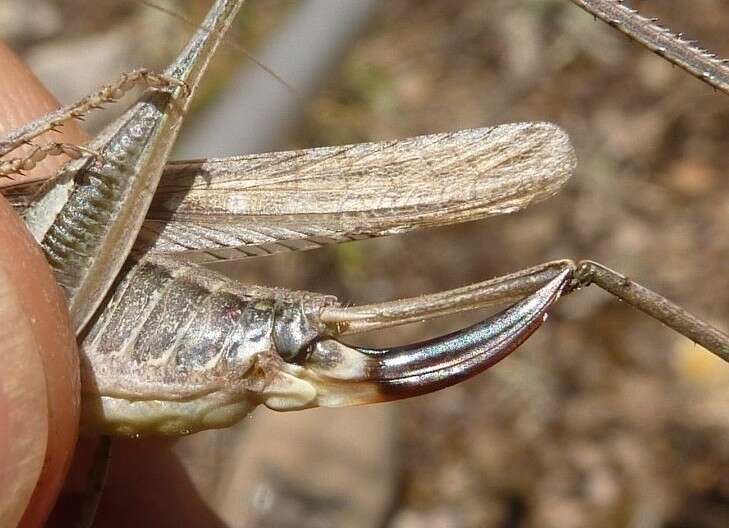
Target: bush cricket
{"type": "Point", "coordinates": [176, 223]}
{"type": "Point", "coordinates": [178, 232]}
{"type": "Point", "coordinates": [179, 349]}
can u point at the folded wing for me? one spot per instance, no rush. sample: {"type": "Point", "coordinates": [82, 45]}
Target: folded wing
{"type": "Point", "coordinates": [225, 209]}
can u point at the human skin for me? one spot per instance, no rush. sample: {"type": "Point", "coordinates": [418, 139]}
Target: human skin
{"type": "Point", "coordinates": [39, 386]}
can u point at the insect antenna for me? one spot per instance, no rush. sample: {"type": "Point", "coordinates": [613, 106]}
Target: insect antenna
{"type": "Point", "coordinates": [230, 41]}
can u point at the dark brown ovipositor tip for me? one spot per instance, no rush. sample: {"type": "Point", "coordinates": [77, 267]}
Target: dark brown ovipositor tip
{"type": "Point", "coordinates": [411, 370]}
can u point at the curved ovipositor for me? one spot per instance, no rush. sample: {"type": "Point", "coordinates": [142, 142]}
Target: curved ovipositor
{"type": "Point", "coordinates": [351, 375]}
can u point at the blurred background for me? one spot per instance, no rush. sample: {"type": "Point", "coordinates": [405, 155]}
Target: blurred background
{"type": "Point", "coordinates": [604, 418]}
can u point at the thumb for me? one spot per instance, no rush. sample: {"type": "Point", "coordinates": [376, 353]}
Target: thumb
{"type": "Point", "coordinates": [39, 387]}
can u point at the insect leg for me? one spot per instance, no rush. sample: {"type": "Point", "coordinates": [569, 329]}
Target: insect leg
{"type": "Point", "coordinates": [109, 93]}
{"type": "Point", "coordinates": [97, 481]}
{"type": "Point", "coordinates": [655, 305]}
{"type": "Point", "coordinates": [508, 288]}
{"type": "Point", "coordinates": [685, 54]}
{"type": "Point", "coordinates": [38, 154]}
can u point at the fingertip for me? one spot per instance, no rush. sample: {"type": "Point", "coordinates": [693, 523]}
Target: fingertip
{"type": "Point", "coordinates": [39, 399]}
{"type": "Point", "coordinates": [23, 407]}
{"type": "Point", "coordinates": [23, 98]}
{"type": "Point", "coordinates": [39, 384]}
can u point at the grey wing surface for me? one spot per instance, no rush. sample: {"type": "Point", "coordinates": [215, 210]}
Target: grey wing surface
{"type": "Point", "coordinates": [232, 208]}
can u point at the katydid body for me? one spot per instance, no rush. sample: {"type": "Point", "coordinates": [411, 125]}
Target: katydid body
{"type": "Point", "coordinates": [178, 348]}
